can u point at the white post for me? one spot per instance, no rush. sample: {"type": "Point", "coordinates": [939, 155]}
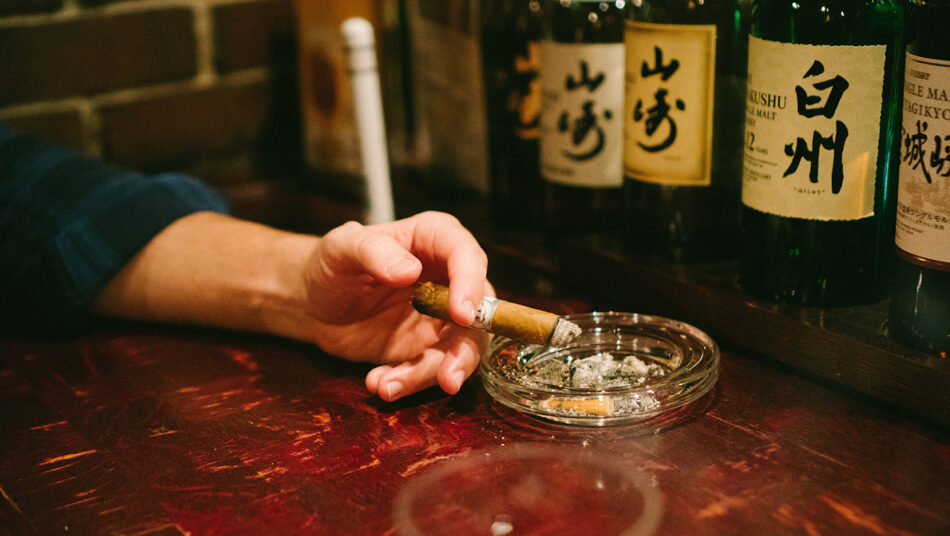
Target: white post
{"type": "Point", "coordinates": [368, 106]}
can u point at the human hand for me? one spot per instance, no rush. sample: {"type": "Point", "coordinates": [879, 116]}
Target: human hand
{"type": "Point", "coordinates": [358, 283]}
{"type": "Point", "coordinates": [348, 291]}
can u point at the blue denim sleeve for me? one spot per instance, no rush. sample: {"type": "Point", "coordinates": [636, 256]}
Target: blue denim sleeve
{"type": "Point", "coordinates": [68, 223]}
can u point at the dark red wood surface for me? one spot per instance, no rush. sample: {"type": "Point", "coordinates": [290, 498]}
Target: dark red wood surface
{"type": "Point", "coordinates": [136, 429]}
{"type": "Point", "coordinates": [159, 430]}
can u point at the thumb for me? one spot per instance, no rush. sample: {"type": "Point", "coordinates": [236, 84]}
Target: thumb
{"type": "Point", "coordinates": [353, 247]}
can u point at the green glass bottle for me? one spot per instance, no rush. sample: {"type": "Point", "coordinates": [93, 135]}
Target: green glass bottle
{"type": "Point", "coordinates": [684, 111]}
{"type": "Point", "coordinates": [920, 302]}
{"type": "Point", "coordinates": [820, 166]}
{"type": "Point", "coordinates": [581, 74]}
{"type": "Point", "coordinates": [511, 35]}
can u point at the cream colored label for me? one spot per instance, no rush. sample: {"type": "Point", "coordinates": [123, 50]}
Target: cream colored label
{"type": "Point", "coordinates": [670, 84]}
{"type": "Point", "coordinates": [812, 127]}
{"type": "Point", "coordinates": [923, 197]}
{"type": "Point", "coordinates": [582, 101]}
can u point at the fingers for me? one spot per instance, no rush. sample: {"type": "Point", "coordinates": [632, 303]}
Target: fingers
{"type": "Point", "coordinates": [353, 247]}
{"type": "Point", "coordinates": [397, 253]}
{"type": "Point", "coordinates": [461, 362]}
{"type": "Point", "coordinates": [467, 286]}
{"type": "Point", "coordinates": [432, 245]}
{"type": "Point", "coordinates": [394, 382]}
{"type": "Point", "coordinates": [449, 363]}
{"type": "Point", "coordinates": [440, 238]}
{"type": "Point", "coordinates": [375, 386]}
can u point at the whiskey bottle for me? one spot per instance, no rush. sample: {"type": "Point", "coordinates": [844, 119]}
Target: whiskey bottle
{"type": "Point", "coordinates": [822, 126]}
{"type": "Point", "coordinates": [920, 302]}
{"type": "Point", "coordinates": [683, 123]}
{"type": "Point", "coordinates": [511, 35]}
{"type": "Point", "coordinates": [581, 73]}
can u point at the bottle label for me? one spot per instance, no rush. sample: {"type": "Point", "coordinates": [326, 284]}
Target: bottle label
{"type": "Point", "coordinates": [525, 101]}
{"type": "Point", "coordinates": [668, 116]}
{"type": "Point", "coordinates": [813, 117]}
{"type": "Point", "coordinates": [923, 196]}
{"type": "Point", "coordinates": [582, 100]}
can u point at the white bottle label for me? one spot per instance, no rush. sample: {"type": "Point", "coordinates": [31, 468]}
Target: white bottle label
{"type": "Point", "coordinates": [812, 126]}
{"type": "Point", "coordinates": [668, 116]}
{"type": "Point", "coordinates": [582, 103]}
{"type": "Point", "coordinates": [923, 197]}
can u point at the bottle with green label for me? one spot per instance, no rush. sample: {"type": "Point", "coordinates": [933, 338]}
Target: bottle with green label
{"type": "Point", "coordinates": [920, 301]}
{"type": "Point", "coordinates": [581, 72]}
{"type": "Point", "coordinates": [684, 109]}
{"type": "Point", "coordinates": [511, 35]}
{"type": "Point", "coordinates": [821, 131]}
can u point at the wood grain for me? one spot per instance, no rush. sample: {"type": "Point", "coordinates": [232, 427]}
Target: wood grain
{"type": "Point", "coordinates": [134, 429]}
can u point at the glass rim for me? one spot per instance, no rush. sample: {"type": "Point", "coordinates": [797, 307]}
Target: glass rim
{"type": "Point", "coordinates": [649, 519]}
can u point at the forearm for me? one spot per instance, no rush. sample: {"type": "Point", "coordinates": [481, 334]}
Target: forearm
{"type": "Point", "coordinates": [213, 270]}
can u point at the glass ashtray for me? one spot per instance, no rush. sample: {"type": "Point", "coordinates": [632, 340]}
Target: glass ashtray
{"type": "Point", "coordinates": [624, 368]}
{"type": "Point", "coordinates": [529, 489]}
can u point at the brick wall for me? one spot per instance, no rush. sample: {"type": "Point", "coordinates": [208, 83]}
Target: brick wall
{"type": "Point", "coordinates": [202, 86]}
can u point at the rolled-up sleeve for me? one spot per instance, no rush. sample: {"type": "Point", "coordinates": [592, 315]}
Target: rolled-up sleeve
{"type": "Point", "coordinates": [68, 223]}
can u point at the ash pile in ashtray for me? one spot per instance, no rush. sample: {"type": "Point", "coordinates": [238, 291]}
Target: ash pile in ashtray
{"type": "Point", "coordinates": [597, 372]}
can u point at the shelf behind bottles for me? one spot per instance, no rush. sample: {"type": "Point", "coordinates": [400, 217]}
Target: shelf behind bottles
{"type": "Point", "coordinates": [845, 346]}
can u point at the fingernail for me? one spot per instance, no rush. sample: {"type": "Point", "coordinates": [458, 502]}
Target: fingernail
{"type": "Point", "coordinates": [469, 309]}
{"type": "Point", "coordinates": [393, 389]}
{"type": "Point", "coordinates": [459, 377]}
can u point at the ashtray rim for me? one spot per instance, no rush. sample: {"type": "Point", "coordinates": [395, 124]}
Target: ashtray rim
{"type": "Point", "coordinates": [675, 389]}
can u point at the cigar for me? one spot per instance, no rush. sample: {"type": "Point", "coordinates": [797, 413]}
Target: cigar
{"type": "Point", "coordinates": [517, 322]}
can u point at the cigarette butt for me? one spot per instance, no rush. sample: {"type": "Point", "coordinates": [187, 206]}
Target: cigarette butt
{"type": "Point", "coordinates": [591, 406]}
{"type": "Point", "coordinates": [517, 322]}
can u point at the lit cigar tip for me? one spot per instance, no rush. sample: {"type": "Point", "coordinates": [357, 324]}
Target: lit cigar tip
{"type": "Point", "coordinates": [565, 332]}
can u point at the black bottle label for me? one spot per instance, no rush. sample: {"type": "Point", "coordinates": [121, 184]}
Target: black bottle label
{"type": "Point", "coordinates": [668, 116]}
{"type": "Point", "coordinates": [581, 127]}
{"type": "Point", "coordinates": [923, 197]}
{"type": "Point", "coordinates": [813, 117]}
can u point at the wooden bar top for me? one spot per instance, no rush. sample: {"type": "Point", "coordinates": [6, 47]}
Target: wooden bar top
{"type": "Point", "coordinates": [162, 430]}
{"type": "Point", "coordinates": [136, 429]}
